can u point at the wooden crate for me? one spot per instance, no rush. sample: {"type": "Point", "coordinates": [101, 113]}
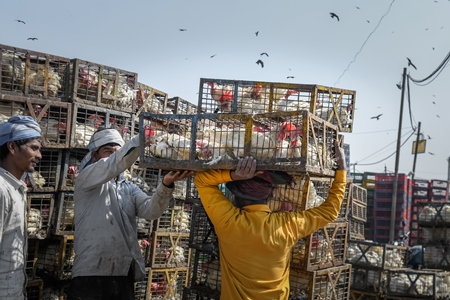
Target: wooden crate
{"type": "Point", "coordinates": [55, 258]}
{"type": "Point", "coordinates": [87, 119]}
{"type": "Point", "coordinates": [35, 289]}
{"type": "Point", "coordinates": [238, 96]}
{"type": "Point", "coordinates": [368, 280]}
{"type": "Point", "coordinates": [108, 87]}
{"type": "Point", "coordinates": [376, 255]}
{"type": "Point", "coordinates": [32, 255]}
{"type": "Point", "coordinates": [70, 168]}
{"type": "Point", "coordinates": [176, 218]}
{"type": "Point", "coordinates": [166, 283]}
{"type": "Point", "coordinates": [331, 283]}
{"type": "Point", "coordinates": [27, 73]}
{"type": "Point", "coordinates": [359, 295]}
{"type": "Point", "coordinates": [323, 249]}
{"type": "Point", "coordinates": [358, 211]}
{"type": "Point", "coordinates": [65, 213]}
{"type": "Point", "coordinates": [53, 117]}
{"type": "Point", "coordinates": [293, 197]}
{"type": "Point", "coordinates": [46, 175]}
{"type": "Point", "coordinates": [356, 229]}
{"type": "Point", "coordinates": [357, 193]}
{"type": "Point", "coordinates": [216, 141]}
{"type": "Point", "coordinates": [39, 214]}
{"type": "Point", "coordinates": [408, 283]}
{"type": "Point", "coordinates": [169, 250]}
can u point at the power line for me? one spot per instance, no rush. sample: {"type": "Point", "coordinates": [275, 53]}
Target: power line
{"type": "Point", "coordinates": [387, 130]}
{"type": "Point", "coordinates": [362, 46]}
{"type": "Point", "coordinates": [435, 73]}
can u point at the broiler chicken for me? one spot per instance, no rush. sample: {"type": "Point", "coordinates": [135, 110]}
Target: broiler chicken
{"type": "Point", "coordinates": [37, 79]}
{"type": "Point", "coordinates": [172, 146]}
{"type": "Point", "coordinates": [13, 72]}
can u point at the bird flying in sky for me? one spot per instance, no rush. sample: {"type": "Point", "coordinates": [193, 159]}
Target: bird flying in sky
{"type": "Point", "coordinates": [264, 53]}
{"type": "Point", "coordinates": [431, 153]}
{"type": "Point", "coordinates": [411, 64]}
{"type": "Point", "coordinates": [429, 137]}
{"type": "Point", "coordinates": [399, 86]}
{"type": "Point", "coordinates": [357, 7]}
{"type": "Point", "coordinates": [377, 117]}
{"type": "Point", "coordinates": [20, 21]}
{"type": "Point", "coordinates": [260, 62]}
{"type": "Point", "coordinates": [290, 77]}
{"type": "Point", "coordinates": [212, 55]}
{"type": "Point", "coordinates": [333, 15]}
{"type": "Point", "coordinates": [256, 33]}
{"type": "Point", "coordinates": [182, 29]}
{"type": "Point", "coordinates": [33, 39]}
{"type": "Point", "coordinates": [437, 116]}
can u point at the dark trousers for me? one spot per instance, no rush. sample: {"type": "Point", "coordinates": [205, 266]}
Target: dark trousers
{"type": "Point", "coordinates": [102, 288]}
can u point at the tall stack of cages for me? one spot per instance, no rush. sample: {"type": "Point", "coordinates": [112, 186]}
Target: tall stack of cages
{"type": "Point", "coordinates": [55, 258]}
{"type": "Point", "coordinates": [333, 105]}
{"type": "Point", "coordinates": [103, 86]}
{"type": "Point", "coordinates": [31, 74]}
{"type": "Point", "coordinates": [433, 233]}
{"type": "Point", "coordinates": [404, 283]}
{"type": "Point", "coordinates": [162, 284]}
{"type": "Point", "coordinates": [287, 141]}
{"type": "Point", "coordinates": [357, 210]}
{"type": "Point", "coordinates": [383, 206]}
{"type": "Point", "coordinates": [370, 262]}
{"type": "Point", "coordinates": [437, 190]}
{"type": "Point", "coordinates": [419, 194]}
{"type": "Point", "coordinates": [368, 182]}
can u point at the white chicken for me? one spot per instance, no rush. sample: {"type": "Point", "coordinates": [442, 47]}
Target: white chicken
{"type": "Point", "coordinates": [13, 72]}
{"type": "Point", "coordinates": [171, 145]}
{"type": "Point", "coordinates": [37, 79]}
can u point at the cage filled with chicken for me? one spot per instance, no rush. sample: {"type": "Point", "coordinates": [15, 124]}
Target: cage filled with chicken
{"type": "Point", "coordinates": [46, 175]}
{"type": "Point", "coordinates": [361, 295]}
{"type": "Point", "coordinates": [55, 258]}
{"type": "Point", "coordinates": [356, 230]}
{"type": "Point", "coordinates": [202, 232]}
{"type": "Point", "coordinates": [149, 99]}
{"type": "Point", "coordinates": [181, 106]}
{"type": "Point", "coordinates": [140, 287]}
{"type": "Point", "coordinates": [39, 215]}
{"type": "Point", "coordinates": [417, 284]}
{"type": "Point", "coordinates": [304, 193]}
{"type": "Point", "coordinates": [35, 289]}
{"type": "Point", "coordinates": [53, 118]}
{"type": "Point", "coordinates": [331, 283]}
{"type": "Point", "coordinates": [432, 235]}
{"type": "Point", "coordinates": [26, 73]}
{"type": "Point", "coordinates": [368, 280]}
{"type": "Point", "coordinates": [433, 213]}
{"type": "Point", "coordinates": [169, 250]}
{"type": "Point", "coordinates": [147, 179]}
{"type": "Point", "coordinates": [205, 276]}
{"type": "Point", "coordinates": [323, 249]}
{"type": "Point", "coordinates": [176, 218]}
{"type": "Point", "coordinates": [166, 283]}
{"type": "Point", "coordinates": [334, 105]}
{"type": "Point", "coordinates": [64, 214]}
{"type": "Point", "coordinates": [88, 119]}
{"type": "Point", "coordinates": [289, 141]}
{"type": "Point", "coordinates": [32, 255]}
{"type": "Point", "coordinates": [437, 257]}
{"type": "Point", "coordinates": [376, 255]}
{"type": "Point", "coordinates": [70, 167]}
{"type": "Point", "coordinates": [100, 85]}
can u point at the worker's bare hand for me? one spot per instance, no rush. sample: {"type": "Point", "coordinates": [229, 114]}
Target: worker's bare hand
{"type": "Point", "coordinates": [340, 156]}
{"type": "Point", "coordinates": [246, 169]}
{"type": "Point", "coordinates": [173, 176]}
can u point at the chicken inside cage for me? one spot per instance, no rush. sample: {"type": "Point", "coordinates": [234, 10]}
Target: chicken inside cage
{"type": "Point", "coordinates": [439, 213]}
{"type": "Point", "coordinates": [171, 250]}
{"type": "Point", "coordinates": [35, 229]}
{"type": "Point", "coordinates": [406, 283]}
{"type": "Point", "coordinates": [167, 285]}
{"type": "Point", "coordinates": [376, 256]}
{"type": "Point", "coordinates": [13, 72]}
{"type": "Point", "coordinates": [148, 100]}
{"type": "Point", "coordinates": [367, 279]}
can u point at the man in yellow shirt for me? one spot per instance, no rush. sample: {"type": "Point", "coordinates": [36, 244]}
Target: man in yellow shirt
{"type": "Point", "coordinates": [254, 242]}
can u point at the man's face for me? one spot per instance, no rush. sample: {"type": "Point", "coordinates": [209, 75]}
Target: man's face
{"type": "Point", "coordinates": [104, 151]}
{"type": "Point", "coordinates": [28, 155]}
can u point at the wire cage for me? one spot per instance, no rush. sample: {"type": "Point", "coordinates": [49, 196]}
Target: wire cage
{"type": "Point", "coordinates": [331, 283]}
{"type": "Point", "coordinates": [167, 283]}
{"type": "Point", "coordinates": [205, 277]}
{"type": "Point", "coordinates": [39, 215]}
{"type": "Point", "coordinates": [376, 255]}
{"type": "Point", "coordinates": [169, 250]}
{"type": "Point", "coordinates": [35, 289]}
{"type": "Point", "coordinates": [433, 214]}
{"type": "Point", "coordinates": [323, 249]}
{"type": "Point", "coordinates": [46, 175]}
{"type": "Point", "coordinates": [181, 106]}
{"type": "Point", "coordinates": [368, 280]}
{"type": "Point", "coordinates": [334, 105]}
{"type": "Point", "coordinates": [202, 234]}
{"type": "Point", "coordinates": [53, 117]}
{"type": "Point", "coordinates": [436, 257]}
{"type": "Point", "coordinates": [140, 287]}
{"type": "Point", "coordinates": [95, 84]}
{"type": "Point", "coordinates": [88, 119]}
{"type": "Point", "coordinates": [32, 254]}
{"type": "Point", "coordinates": [191, 293]}
{"type": "Point", "coordinates": [70, 168]}
{"type": "Point", "coordinates": [26, 73]}
{"type": "Point", "coordinates": [65, 212]}
{"type": "Point", "coordinates": [176, 218]}
{"type": "Point", "coordinates": [356, 230]}
{"type": "Point", "coordinates": [359, 295]}
{"type": "Point", "coordinates": [55, 258]}
{"type": "Point", "coordinates": [288, 141]}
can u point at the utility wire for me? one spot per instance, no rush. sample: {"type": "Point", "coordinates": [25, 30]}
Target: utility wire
{"type": "Point", "coordinates": [412, 133]}
{"type": "Point", "coordinates": [436, 72]}
{"type": "Point", "coordinates": [409, 106]}
{"type": "Point", "coordinates": [362, 46]}
{"type": "Point", "coordinates": [387, 130]}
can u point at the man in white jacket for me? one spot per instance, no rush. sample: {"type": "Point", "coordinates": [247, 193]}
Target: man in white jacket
{"type": "Point", "coordinates": [108, 259]}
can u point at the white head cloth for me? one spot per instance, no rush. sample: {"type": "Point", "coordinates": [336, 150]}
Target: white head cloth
{"type": "Point", "coordinates": [98, 139]}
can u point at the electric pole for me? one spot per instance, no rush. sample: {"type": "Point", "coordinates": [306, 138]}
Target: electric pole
{"type": "Point", "coordinates": [415, 152]}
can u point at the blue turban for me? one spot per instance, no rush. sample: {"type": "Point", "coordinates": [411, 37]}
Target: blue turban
{"type": "Point", "coordinates": [19, 128]}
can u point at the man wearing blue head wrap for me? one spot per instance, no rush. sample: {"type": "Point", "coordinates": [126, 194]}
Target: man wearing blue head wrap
{"type": "Point", "coordinates": [107, 252]}
{"type": "Point", "coordinates": [20, 151]}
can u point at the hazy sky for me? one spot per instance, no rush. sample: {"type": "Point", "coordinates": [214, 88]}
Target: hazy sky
{"type": "Point", "coordinates": [301, 38]}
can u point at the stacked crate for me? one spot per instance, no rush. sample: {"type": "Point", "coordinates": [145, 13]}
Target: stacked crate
{"type": "Point", "coordinates": [383, 207]}
{"type": "Point", "coordinates": [419, 194]}
{"type": "Point", "coordinates": [368, 182]}
{"type": "Point", "coordinates": [357, 211]}
{"type": "Point", "coordinates": [314, 114]}
{"type": "Point", "coordinates": [370, 264]}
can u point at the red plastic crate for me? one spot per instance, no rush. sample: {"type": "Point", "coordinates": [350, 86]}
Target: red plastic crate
{"type": "Point", "coordinates": [420, 183]}
{"type": "Point", "coordinates": [435, 183]}
{"type": "Point", "coordinates": [379, 178]}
